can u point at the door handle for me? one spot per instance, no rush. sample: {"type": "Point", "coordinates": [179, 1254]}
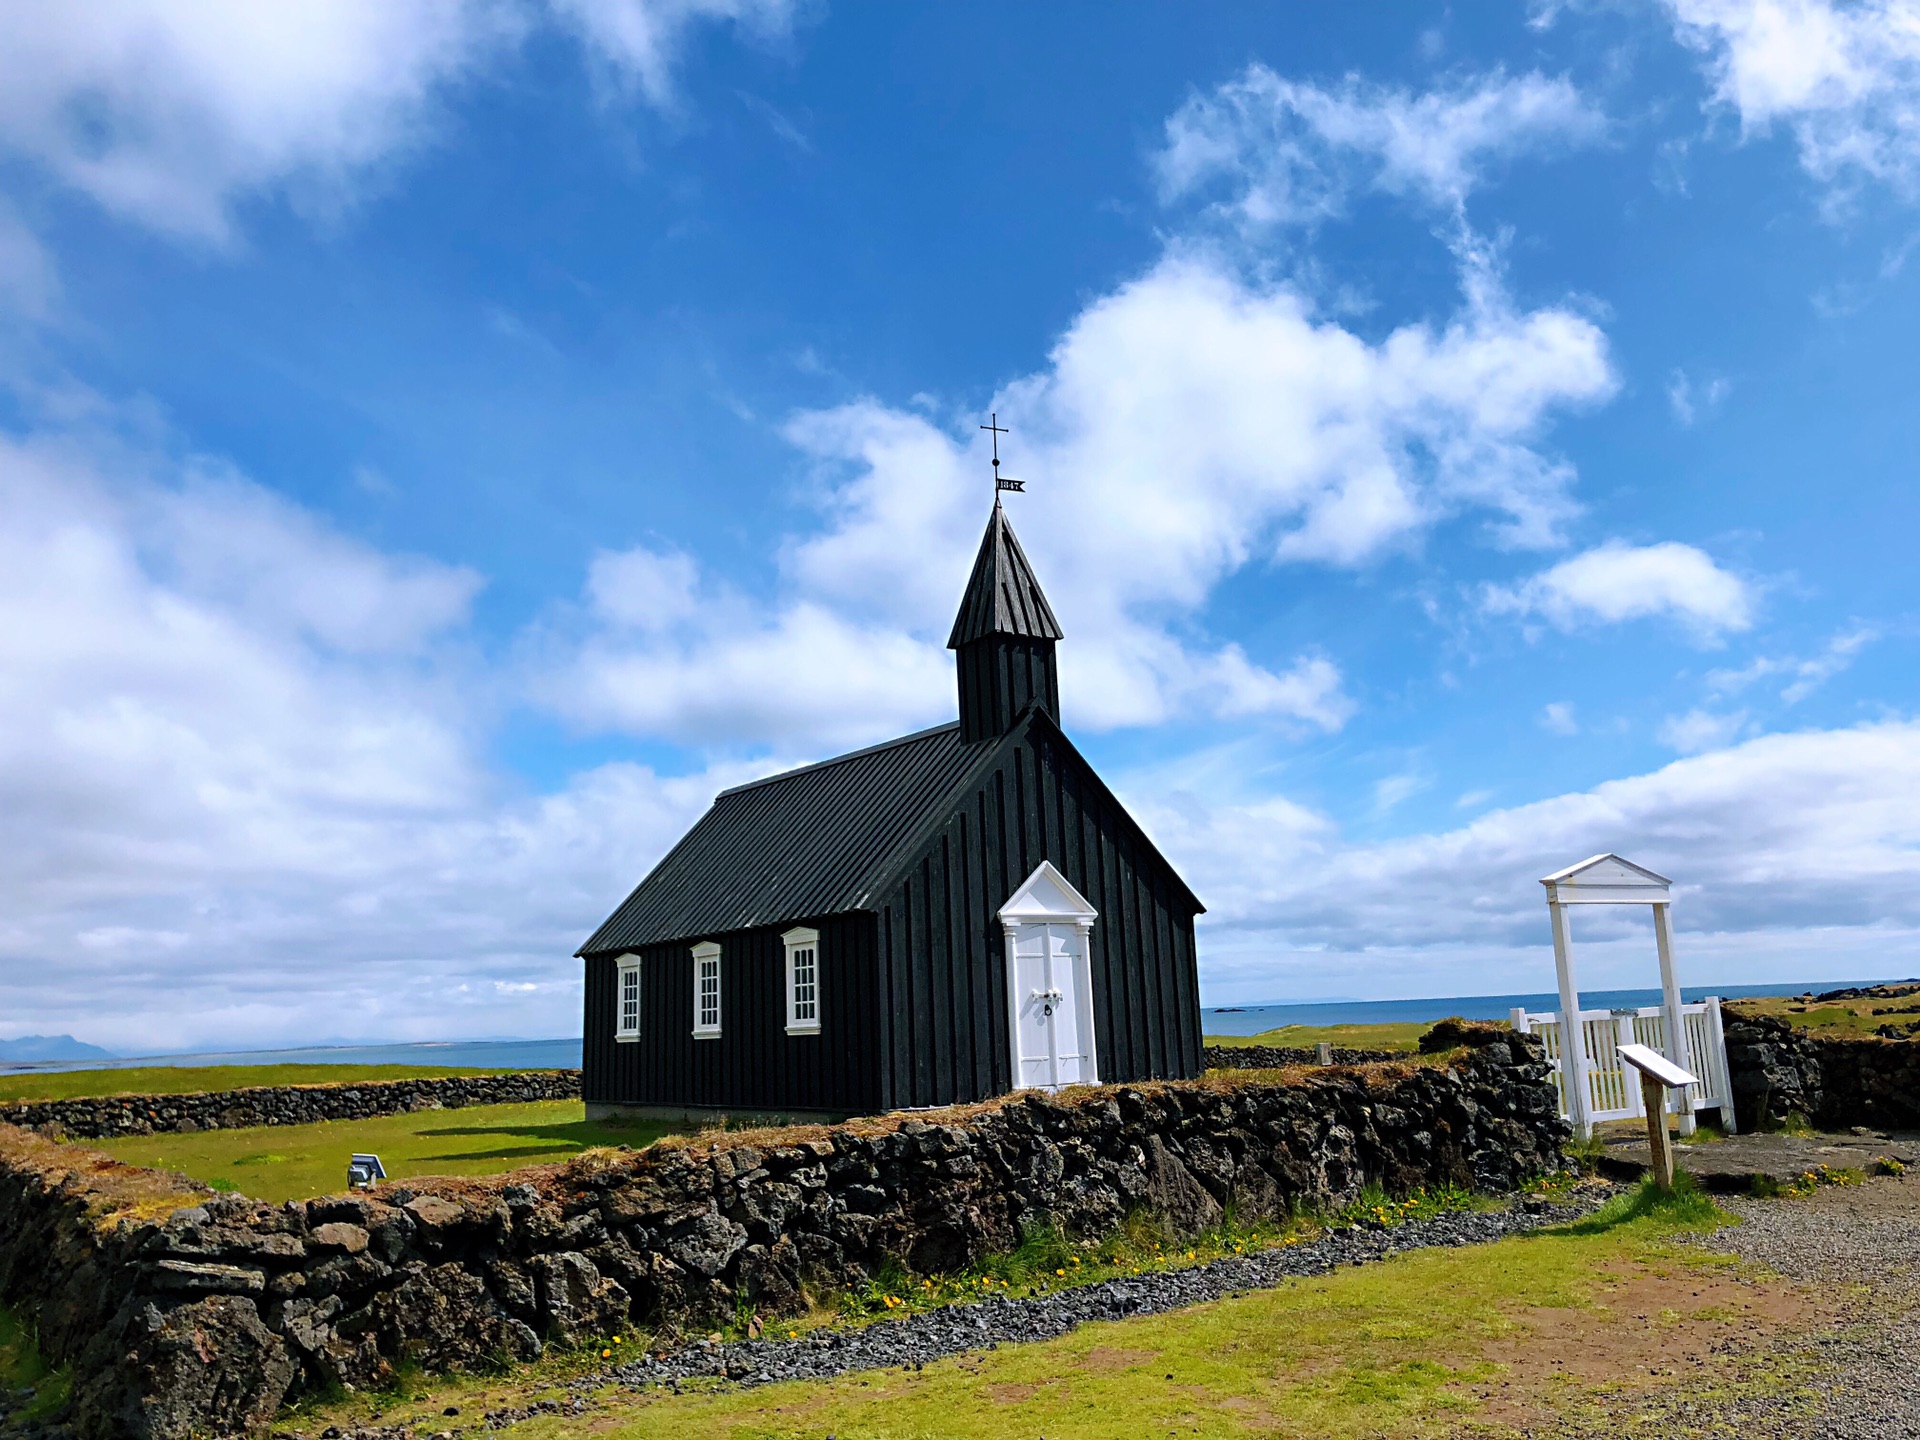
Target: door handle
{"type": "Point", "coordinates": [1047, 998]}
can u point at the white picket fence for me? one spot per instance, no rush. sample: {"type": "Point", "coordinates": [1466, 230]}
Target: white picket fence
{"type": "Point", "coordinates": [1613, 1089]}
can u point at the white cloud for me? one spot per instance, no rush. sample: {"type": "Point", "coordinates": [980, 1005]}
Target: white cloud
{"type": "Point", "coordinates": [1845, 78]}
{"type": "Point", "coordinates": [639, 41]}
{"type": "Point", "coordinates": [29, 281]}
{"type": "Point", "coordinates": [1802, 845]}
{"type": "Point", "coordinates": [1391, 791]}
{"type": "Point", "coordinates": [1557, 717]}
{"type": "Point", "coordinates": [799, 676]}
{"type": "Point", "coordinates": [1291, 152]}
{"type": "Point", "coordinates": [1806, 675]}
{"type": "Point", "coordinates": [1689, 404]}
{"type": "Point", "coordinates": [243, 784]}
{"type": "Point", "coordinates": [1699, 730]}
{"type": "Point", "coordinates": [171, 115]}
{"type": "Point", "coordinates": [1616, 582]}
{"type": "Point", "coordinates": [166, 113]}
{"type": "Point", "coordinates": [1188, 425]}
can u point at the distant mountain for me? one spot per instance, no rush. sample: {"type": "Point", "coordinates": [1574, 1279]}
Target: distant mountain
{"type": "Point", "coordinates": [51, 1047]}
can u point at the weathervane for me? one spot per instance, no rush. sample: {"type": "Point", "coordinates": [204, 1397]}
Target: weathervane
{"type": "Point", "coordinates": [1000, 482]}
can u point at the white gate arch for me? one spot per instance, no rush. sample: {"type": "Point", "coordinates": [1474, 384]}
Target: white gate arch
{"type": "Point", "coordinates": [1610, 880]}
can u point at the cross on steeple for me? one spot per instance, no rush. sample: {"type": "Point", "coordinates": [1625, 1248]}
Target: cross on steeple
{"type": "Point", "coordinates": [1000, 482]}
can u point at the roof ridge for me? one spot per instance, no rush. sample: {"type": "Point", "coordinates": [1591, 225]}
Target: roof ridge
{"type": "Point", "coordinates": [836, 759]}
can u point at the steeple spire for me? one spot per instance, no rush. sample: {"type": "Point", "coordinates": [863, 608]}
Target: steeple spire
{"type": "Point", "coordinates": [1003, 637]}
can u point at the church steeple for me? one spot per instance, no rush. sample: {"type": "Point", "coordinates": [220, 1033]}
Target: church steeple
{"type": "Point", "coordinates": [1003, 638]}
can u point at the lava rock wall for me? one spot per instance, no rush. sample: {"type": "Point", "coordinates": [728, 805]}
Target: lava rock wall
{"type": "Point", "coordinates": [1782, 1072]}
{"type": "Point", "coordinates": [189, 1313]}
{"type": "Point", "coordinates": [106, 1117]}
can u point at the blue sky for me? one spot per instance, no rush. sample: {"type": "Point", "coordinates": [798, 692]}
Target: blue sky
{"type": "Point", "coordinates": [442, 445]}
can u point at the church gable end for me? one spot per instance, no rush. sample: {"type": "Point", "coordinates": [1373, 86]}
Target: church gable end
{"type": "Point", "coordinates": [941, 941]}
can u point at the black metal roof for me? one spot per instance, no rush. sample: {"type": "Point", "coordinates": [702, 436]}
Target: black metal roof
{"type": "Point", "coordinates": [821, 840]}
{"type": "Point", "coordinates": [1003, 597]}
{"type": "Point", "coordinates": [807, 843]}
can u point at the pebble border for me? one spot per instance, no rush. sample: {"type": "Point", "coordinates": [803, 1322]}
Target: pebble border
{"type": "Point", "coordinates": [987, 1324]}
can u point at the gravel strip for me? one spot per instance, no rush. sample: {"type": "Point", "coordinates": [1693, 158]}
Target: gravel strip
{"type": "Point", "coordinates": [1856, 1377]}
{"type": "Point", "coordinates": [1865, 1381]}
{"type": "Point", "coordinates": [952, 1330]}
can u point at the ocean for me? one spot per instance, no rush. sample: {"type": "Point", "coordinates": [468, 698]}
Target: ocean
{"type": "Point", "coordinates": [469, 1054]}
{"type": "Point", "coordinates": [1222, 1020]}
{"type": "Point", "coordinates": [1255, 1019]}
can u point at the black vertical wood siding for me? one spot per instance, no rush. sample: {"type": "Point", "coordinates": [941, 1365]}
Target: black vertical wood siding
{"type": "Point", "coordinates": [943, 951]}
{"type": "Point", "coordinates": [1000, 676]}
{"type": "Point", "coordinates": [754, 1064]}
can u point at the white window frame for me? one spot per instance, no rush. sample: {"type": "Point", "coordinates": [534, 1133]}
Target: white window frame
{"type": "Point", "coordinates": [802, 941]}
{"type": "Point", "coordinates": [627, 965]}
{"type": "Point", "coordinates": [704, 952]}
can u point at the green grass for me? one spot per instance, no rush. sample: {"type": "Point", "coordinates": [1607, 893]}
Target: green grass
{"type": "Point", "coordinates": [1393, 1349]}
{"type": "Point", "coordinates": [1835, 1019]}
{"type": "Point", "coordinates": [23, 1368]}
{"type": "Point", "coordinates": [1346, 1037]}
{"type": "Point", "coordinates": [293, 1162]}
{"type": "Point", "coordinates": [168, 1080]}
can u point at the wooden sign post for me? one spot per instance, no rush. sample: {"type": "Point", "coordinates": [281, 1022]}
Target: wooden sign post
{"type": "Point", "coordinates": [1658, 1075]}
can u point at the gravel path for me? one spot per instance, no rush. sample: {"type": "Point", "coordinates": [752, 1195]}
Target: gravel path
{"type": "Point", "coordinates": [935, 1334]}
{"type": "Point", "coordinates": [1859, 1376]}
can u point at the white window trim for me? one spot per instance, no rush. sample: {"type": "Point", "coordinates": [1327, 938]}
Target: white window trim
{"type": "Point", "coordinates": [796, 939]}
{"type": "Point", "coordinates": [624, 966]}
{"type": "Point", "coordinates": [704, 951]}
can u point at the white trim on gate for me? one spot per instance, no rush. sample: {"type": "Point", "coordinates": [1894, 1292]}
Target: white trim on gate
{"type": "Point", "coordinates": [1610, 1093]}
{"type": "Point", "coordinates": [1046, 898]}
{"type": "Point", "coordinates": [1609, 880]}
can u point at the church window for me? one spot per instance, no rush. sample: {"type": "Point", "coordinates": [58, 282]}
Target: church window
{"type": "Point", "coordinates": [627, 1020]}
{"type": "Point", "coordinates": [706, 991]}
{"type": "Point", "coordinates": [803, 981]}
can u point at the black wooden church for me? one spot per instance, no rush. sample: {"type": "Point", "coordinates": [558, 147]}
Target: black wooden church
{"type": "Point", "coordinates": [948, 916]}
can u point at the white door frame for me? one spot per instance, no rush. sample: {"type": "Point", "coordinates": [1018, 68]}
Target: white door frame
{"type": "Point", "coordinates": [1045, 898]}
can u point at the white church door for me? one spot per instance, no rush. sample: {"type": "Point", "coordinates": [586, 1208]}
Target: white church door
{"type": "Point", "coordinates": [1050, 983]}
{"type": "Point", "coordinates": [1047, 963]}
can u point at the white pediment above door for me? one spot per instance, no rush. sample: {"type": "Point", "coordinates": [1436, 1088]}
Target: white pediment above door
{"type": "Point", "coordinates": [1046, 895]}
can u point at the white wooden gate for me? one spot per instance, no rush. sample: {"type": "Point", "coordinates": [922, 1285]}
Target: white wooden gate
{"type": "Point", "coordinates": [1613, 1092]}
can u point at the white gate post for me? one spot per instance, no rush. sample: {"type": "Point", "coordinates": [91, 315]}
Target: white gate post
{"type": "Point", "coordinates": [1728, 1121]}
{"type": "Point", "coordinates": [1629, 1091]}
{"type": "Point", "coordinates": [1677, 1048]}
{"type": "Point", "coordinates": [1573, 1042]}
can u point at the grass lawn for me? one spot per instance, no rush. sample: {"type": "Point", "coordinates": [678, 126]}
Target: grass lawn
{"type": "Point", "coordinates": [1840, 1019]}
{"type": "Point", "coordinates": [25, 1374]}
{"type": "Point", "coordinates": [1346, 1037]}
{"type": "Point", "coordinates": [169, 1080]}
{"type": "Point", "coordinates": [1483, 1340]}
{"type": "Point", "coordinates": [296, 1162]}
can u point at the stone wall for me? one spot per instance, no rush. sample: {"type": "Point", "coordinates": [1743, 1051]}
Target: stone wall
{"type": "Point", "coordinates": [105, 1117]}
{"type": "Point", "coordinates": [1781, 1071]}
{"type": "Point", "coordinates": [187, 1313]}
{"type": "Point", "coordinates": [1279, 1057]}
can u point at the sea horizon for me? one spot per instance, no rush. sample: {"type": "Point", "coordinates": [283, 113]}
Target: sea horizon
{"type": "Point", "coordinates": [564, 1052]}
